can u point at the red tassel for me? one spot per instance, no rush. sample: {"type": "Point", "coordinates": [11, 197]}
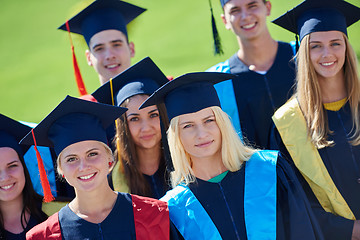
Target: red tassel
{"type": "Point", "coordinates": [78, 78]}
{"type": "Point", "coordinates": [48, 197]}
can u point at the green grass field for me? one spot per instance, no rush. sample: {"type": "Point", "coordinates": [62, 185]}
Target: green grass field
{"type": "Point", "coordinates": [35, 64]}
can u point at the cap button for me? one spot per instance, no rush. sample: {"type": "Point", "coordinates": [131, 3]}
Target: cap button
{"type": "Point", "coordinates": [358, 180]}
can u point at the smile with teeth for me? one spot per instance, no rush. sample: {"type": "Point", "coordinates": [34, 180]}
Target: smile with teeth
{"type": "Point", "coordinates": [112, 66]}
{"type": "Point", "coordinates": [7, 186]}
{"type": "Point", "coordinates": [327, 63]}
{"type": "Point", "coordinates": [248, 26]}
{"type": "Point", "coordinates": [87, 176]}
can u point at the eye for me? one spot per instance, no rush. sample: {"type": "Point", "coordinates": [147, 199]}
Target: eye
{"type": "Point", "coordinates": [187, 126]}
{"type": "Point", "coordinates": [154, 115]}
{"type": "Point", "coordinates": [252, 6]}
{"type": "Point", "coordinates": [313, 46]}
{"type": "Point", "coordinates": [133, 119]}
{"type": "Point", "coordinates": [70, 159]}
{"type": "Point", "coordinates": [335, 44]}
{"type": "Point", "coordinates": [14, 165]}
{"type": "Point", "coordinates": [92, 154]}
{"type": "Point", "coordinates": [98, 49]}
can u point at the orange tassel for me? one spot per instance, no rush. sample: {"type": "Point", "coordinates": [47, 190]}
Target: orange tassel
{"type": "Point", "coordinates": [78, 78]}
{"type": "Point", "coordinates": [48, 197]}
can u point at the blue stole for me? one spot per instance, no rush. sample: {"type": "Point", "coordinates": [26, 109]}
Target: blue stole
{"type": "Point", "coordinates": [193, 222]}
{"type": "Point", "coordinates": [226, 94]}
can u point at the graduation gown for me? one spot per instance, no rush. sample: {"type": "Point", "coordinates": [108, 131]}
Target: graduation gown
{"type": "Point", "coordinates": [132, 217]}
{"type": "Point", "coordinates": [252, 98]}
{"type": "Point", "coordinates": [158, 182]}
{"type": "Point", "coordinates": [246, 205]}
{"type": "Point", "coordinates": [341, 163]}
{"type": "Point", "coordinates": [21, 236]}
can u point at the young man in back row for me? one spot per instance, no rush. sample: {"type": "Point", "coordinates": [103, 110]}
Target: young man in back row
{"type": "Point", "coordinates": [263, 66]}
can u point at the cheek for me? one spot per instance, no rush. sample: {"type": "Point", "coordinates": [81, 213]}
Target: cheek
{"type": "Point", "coordinates": [133, 129]}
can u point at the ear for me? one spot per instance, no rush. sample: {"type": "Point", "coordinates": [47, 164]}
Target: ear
{"type": "Point", "coordinates": [88, 57]}
{"type": "Point", "coordinates": [227, 25]}
{"type": "Point", "coordinates": [132, 49]}
{"type": "Point", "coordinates": [268, 8]}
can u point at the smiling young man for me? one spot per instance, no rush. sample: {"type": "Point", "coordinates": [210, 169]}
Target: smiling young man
{"type": "Point", "coordinates": [103, 25]}
{"type": "Point", "coordinates": [263, 66]}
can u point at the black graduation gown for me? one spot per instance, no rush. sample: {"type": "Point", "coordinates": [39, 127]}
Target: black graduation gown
{"type": "Point", "coordinates": [258, 96]}
{"type": "Point", "coordinates": [21, 236]}
{"type": "Point", "coordinates": [224, 202]}
{"type": "Point", "coordinates": [158, 182]}
{"type": "Point", "coordinates": [342, 161]}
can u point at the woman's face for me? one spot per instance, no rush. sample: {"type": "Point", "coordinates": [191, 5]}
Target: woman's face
{"type": "Point", "coordinates": [12, 177]}
{"type": "Point", "coordinates": [327, 54]}
{"type": "Point", "coordinates": [85, 165]}
{"type": "Point", "coordinates": [200, 134]}
{"type": "Point", "coordinates": [144, 124]}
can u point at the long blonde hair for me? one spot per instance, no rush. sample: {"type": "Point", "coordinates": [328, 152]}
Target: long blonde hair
{"type": "Point", "coordinates": [309, 96]}
{"type": "Point", "coordinates": [233, 151]}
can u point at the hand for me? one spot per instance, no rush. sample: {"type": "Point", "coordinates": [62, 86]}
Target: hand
{"type": "Point", "coordinates": [356, 231]}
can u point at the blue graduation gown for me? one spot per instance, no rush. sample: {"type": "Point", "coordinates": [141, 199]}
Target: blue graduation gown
{"type": "Point", "coordinates": [252, 98]}
{"type": "Point", "coordinates": [342, 161]}
{"type": "Point", "coordinates": [224, 203]}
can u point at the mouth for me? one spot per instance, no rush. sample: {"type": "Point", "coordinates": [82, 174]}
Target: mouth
{"type": "Point", "coordinates": [326, 64]}
{"type": "Point", "coordinates": [147, 137]}
{"type": "Point", "coordinates": [248, 26]}
{"type": "Point", "coordinates": [112, 66]}
{"type": "Point", "coordinates": [7, 187]}
{"type": "Point", "coordinates": [87, 177]}
{"type": "Point", "coordinates": [204, 144]}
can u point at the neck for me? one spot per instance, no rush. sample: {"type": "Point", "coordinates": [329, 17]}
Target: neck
{"type": "Point", "coordinates": [207, 168]}
{"type": "Point", "coordinates": [11, 213]}
{"type": "Point", "coordinates": [259, 53]}
{"type": "Point", "coordinates": [103, 80]}
{"type": "Point", "coordinates": [332, 89]}
{"type": "Point", "coordinates": [149, 159]}
{"type": "Point", "coordinates": [94, 206]}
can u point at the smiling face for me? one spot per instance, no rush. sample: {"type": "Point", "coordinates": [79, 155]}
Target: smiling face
{"type": "Point", "coordinates": [144, 124]}
{"type": "Point", "coordinates": [12, 177]}
{"type": "Point", "coordinates": [327, 54]}
{"type": "Point", "coordinates": [246, 18]}
{"type": "Point", "coordinates": [200, 134]}
{"type": "Point", "coordinates": [110, 54]}
{"type": "Point", "coordinates": [85, 165]}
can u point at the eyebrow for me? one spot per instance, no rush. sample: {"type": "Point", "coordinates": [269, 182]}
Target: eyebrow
{"type": "Point", "coordinates": [15, 161]}
{"type": "Point", "coordinates": [137, 114]}
{"type": "Point", "coordinates": [73, 155]}
{"type": "Point", "coordinates": [205, 118]}
{"type": "Point", "coordinates": [333, 40]}
{"type": "Point", "coordinates": [113, 41]}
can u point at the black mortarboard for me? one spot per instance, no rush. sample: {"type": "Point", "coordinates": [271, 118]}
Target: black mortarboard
{"type": "Point", "coordinates": [319, 15]}
{"type": "Point", "coordinates": [103, 15]}
{"type": "Point", "coordinates": [11, 132]}
{"type": "Point", "coordinates": [188, 93]}
{"type": "Point", "coordinates": [143, 77]}
{"type": "Point", "coordinates": [74, 120]}
{"type": "Point", "coordinates": [223, 2]}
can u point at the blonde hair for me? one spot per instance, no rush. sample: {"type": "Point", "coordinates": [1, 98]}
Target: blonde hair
{"type": "Point", "coordinates": [308, 93]}
{"type": "Point", "coordinates": [107, 148]}
{"type": "Point", "coordinates": [233, 151]}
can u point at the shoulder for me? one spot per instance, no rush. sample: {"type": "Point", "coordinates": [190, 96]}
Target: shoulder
{"type": "Point", "coordinates": [49, 229]}
{"type": "Point", "coordinates": [220, 67]}
{"type": "Point", "coordinates": [287, 110]}
{"type": "Point", "coordinates": [267, 156]}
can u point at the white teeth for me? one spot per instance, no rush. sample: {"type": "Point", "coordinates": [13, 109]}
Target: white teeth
{"type": "Point", "coordinates": [112, 66]}
{"type": "Point", "coordinates": [249, 26]}
{"type": "Point", "coordinates": [327, 64]}
{"type": "Point", "coordinates": [87, 177]}
{"type": "Point", "coordinates": [7, 186]}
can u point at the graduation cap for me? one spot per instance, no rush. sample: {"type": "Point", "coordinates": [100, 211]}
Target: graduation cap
{"type": "Point", "coordinates": [188, 93]}
{"type": "Point", "coordinates": [223, 2]}
{"type": "Point", "coordinates": [103, 15]}
{"type": "Point", "coordinates": [11, 132]}
{"type": "Point", "coordinates": [143, 77]}
{"type": "Point", "coordinates": [319, 15]}
{"type": "Point", "coordinates": [99, 16]}
{"type": "Point", "coordinates": [73, 120]}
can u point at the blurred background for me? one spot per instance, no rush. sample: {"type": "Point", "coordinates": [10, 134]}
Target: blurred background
{"type": "Point", "coordinates": [36, 66]}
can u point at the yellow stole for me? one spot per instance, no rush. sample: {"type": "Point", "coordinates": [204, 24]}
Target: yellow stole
{"type": "Point", "coordinates": [118, 179]}
{"type": "Point", "coordinates": [291, 125]}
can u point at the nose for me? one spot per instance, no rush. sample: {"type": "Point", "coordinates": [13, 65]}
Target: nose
{"type": "Point", "coordinates": [244, 14]}
{"type": "Point", "coordinates": [109, 54]}
{"type": "Point", "coordinates": [326, 51]}
{"type": "Point", "coordinates": [145, 125]}
{"type": "Point", "coordinates": [201, 132]}
{"type": "Point", "coordinates": [83, 164]}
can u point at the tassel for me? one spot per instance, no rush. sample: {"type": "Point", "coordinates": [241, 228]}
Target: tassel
{"type": "Point", "coordinates": [78, 78]}
{"type": "Point", "coordinates": [297, 42]}
{"type": "Point", "coordinates": [216, 36]}
{"type": "Point", "coordinates": [48, 197]}
{"type": "Point", "coordinates": [121, 167]}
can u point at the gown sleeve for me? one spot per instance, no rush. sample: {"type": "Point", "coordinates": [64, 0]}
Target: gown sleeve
{"type": "Point", "coordinates": [295, 218]}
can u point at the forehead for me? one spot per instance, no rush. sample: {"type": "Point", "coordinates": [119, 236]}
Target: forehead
{"type": "Point", "coordinates": [239, 3]}
{"type": "Point", "coordinates": [199, 115]}
{"type": "Point", "coordinates": [8, 155]}
{"type": "Point", "coordinates": [135, 102]}
{"type": "Point", "coordinates": [326, 36]}
{"type": "Point", "coordinates": [107, 36]}
{"type": "Point", "coordinates": [81, 147]}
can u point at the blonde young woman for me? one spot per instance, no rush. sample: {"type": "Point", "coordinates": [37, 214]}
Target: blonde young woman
{"type": "Point", "coordinates": [141, 166]}
{"type": "Point", "coordinates": [223, 189]}
{"type": "Point", "coordinates": [319, 129]}
{"type": "Point", "coordinates": [76, 130]}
